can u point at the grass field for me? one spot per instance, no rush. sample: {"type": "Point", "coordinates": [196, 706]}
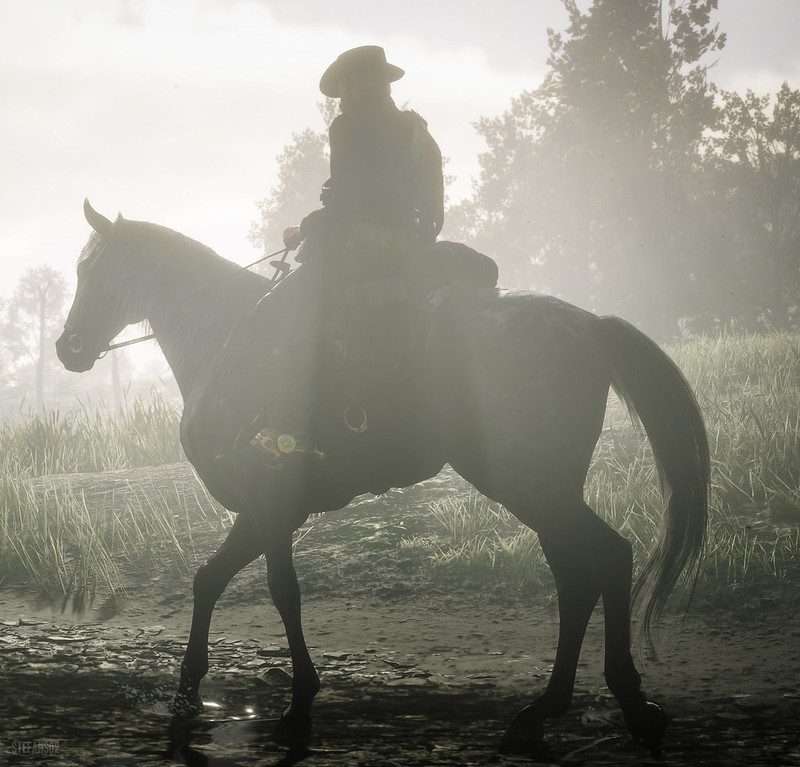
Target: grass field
{"type": "Point", "coordinates": [749, 391]}
{"type": "Point", "coordinates": [76, 543]}
{"type": "Point", "coordinates": [747, 387]}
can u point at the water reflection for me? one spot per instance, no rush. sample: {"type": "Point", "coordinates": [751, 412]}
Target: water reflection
{"type": "Point", "coordinates": [198, 743]}
{"type": "Point", "coordinates": [119, 718]}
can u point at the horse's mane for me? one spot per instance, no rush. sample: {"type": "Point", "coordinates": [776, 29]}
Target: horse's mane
{"type": "Point", "coordinates": [165, 274]}
{"type": "Point", "coordinates": [176, 244]}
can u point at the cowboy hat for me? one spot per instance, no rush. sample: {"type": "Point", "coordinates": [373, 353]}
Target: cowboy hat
{"type": "Point", "coordinates": [361, 60]}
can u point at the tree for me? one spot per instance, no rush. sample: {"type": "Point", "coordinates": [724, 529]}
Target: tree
{"type": "Point", "coordinates": [584, 181]}
{"type": "Point", "coordinates": [34, 320]}
{"type": "Point", "coordinates": [755, 162]}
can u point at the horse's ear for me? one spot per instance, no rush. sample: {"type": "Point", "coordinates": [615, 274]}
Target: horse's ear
{"type": "Point", "coordinates": [98, 222]}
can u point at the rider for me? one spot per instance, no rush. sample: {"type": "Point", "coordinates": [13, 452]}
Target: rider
{"type": "Point", "coordinates": [368, 254]}
{"type": "Point", "coordinates": [385, 196]}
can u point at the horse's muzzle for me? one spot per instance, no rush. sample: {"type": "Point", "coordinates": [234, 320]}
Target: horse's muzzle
{"type": "Point", "coordinates": [73, 352]}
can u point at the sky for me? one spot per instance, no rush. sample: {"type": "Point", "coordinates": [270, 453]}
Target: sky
{"type": "Point", "coordinates": [174, 111]}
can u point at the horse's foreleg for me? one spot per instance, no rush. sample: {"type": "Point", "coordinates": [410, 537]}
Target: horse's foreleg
{"type": "Point", "coordinates": [296, 720]}
{"type": "Point", "coordinates": [239, 549]}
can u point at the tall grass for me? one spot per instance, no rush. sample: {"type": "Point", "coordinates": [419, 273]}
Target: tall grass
{"type": "Point", "coordinates": [145, 433]}
{"type": "Point", "coordinates": [748, 388]}
{"type": "Point", "coordinates": [81, 542]}
{"type": "Point", "coordinates": [483, 534]}
{"type": "Point", "coordinates": [68, 545]}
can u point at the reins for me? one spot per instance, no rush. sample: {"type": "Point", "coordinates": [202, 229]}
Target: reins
{"type": "Point", "coordinates": [120, 344]}
{"type": "Point", "coordinates": [281, 270]}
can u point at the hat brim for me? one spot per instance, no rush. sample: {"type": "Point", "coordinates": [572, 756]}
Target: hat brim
{"type": "Point", "coordinates": [332, 78]}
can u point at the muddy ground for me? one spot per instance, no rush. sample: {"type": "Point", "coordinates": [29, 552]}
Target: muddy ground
{"type": "Point", "coordinates": [419, 665]}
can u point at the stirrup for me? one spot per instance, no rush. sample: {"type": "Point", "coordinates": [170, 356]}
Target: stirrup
{"type": "Point", "coordinates": [357, 428]}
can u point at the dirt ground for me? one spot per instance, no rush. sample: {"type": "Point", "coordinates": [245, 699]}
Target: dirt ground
{"type": "Point", "coordinates": [419, 666]}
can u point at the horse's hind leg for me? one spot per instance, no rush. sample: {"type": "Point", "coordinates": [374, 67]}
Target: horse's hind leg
{"type": "Point", "coordinates": [646, 721]}
{"type": "Point", "coordinates": [239, 549]}
{"type": "Point", "coordinates": [295, 725]}
{"type": "Point", "coordinates": [588, 559]}
{"type": "Point", "coordinates": [570, 554]}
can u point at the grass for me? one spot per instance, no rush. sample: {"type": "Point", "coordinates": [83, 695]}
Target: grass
{"type": "Point", "coordinates": [482, 534]}
{"type": "Point", "coordinates": [748, 388]}
{"type": "Point", "coordinates": [145, 433]}
{"type": "Point", "coordinates": [81, 542]}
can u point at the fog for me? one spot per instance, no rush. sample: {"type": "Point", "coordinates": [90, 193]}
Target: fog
{"type": "Point", "coordinates": [175, 111]}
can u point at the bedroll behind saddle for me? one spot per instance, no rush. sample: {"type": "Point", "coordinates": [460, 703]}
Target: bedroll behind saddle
{"type": "Point", "coordinates": [385, 312]}
{"type": "Point", "coordinates": [386, 267]}
{"type": "Point", "coordinates": [453, 263]}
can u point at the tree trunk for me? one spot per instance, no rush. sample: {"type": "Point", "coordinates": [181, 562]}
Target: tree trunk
{"type": "Point", "coordinates": [39, 401]}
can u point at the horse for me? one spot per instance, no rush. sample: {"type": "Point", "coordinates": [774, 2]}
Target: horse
{"type": "Point", "coordinates": [509, 388]}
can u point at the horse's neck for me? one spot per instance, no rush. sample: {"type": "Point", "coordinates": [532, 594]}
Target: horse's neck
{"type": "Point", "coordinates": [196, 311]}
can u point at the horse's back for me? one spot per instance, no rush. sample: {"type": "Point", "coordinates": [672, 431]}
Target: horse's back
{"type": "Point", "coordinates": [515, 342]}
{"type": "Point", "coordinates": [528, 389]}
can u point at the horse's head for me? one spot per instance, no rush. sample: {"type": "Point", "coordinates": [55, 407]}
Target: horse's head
{"type": "Point", "coordinates": [97, 315]}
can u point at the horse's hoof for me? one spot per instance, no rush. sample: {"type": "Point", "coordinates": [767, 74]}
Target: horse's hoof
{"type": "Point", "coordinates": [648, 726]}
{"type": "Point", "coordinates": [186, 706]}
{"type": "Point", "coordinates": [525, 734]}
{"type": "Point", "coordinates": [293, 731]}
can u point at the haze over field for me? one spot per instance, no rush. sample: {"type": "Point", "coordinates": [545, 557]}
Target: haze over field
{"type": "Point", "coordinates": [175, 111]}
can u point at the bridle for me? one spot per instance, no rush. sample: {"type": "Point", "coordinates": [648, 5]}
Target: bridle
{"type": "Point", "coordinates": [75, 341]}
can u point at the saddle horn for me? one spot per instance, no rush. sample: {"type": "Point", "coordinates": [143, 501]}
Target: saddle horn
{"type": "Point", "coordinates": [98, 222]}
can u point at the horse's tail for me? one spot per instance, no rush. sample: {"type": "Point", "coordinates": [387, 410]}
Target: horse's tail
{"type": "Point", "coordinates": [656, 392]}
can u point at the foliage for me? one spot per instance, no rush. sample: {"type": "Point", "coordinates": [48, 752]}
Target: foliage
{"type": "Point", "coordinates": [628, 184]}
{"type": "Point", "coordinates": [625, 182]}
{"type": "Point", "coordinates": [752, 202]}
{"type": "Point", "coordinates": [34, 316]}
{"type": "Point", "coordinates": [33, 378]}
{"type": "Point", "coordinates": [747, 386]}
{"type": "Point", "coordinates": [584, 177]}
{"type": "Point", "coordinates": [483, 535]}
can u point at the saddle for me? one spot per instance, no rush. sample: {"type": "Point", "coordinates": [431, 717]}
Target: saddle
{"type": "Point", "coordinates": [386, 310]}
{"type": "Point", "coordinates": [373, 326]}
